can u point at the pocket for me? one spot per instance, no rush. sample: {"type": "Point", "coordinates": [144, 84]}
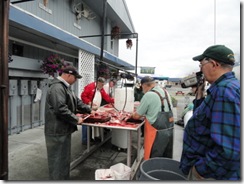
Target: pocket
{"type": "Point", "coordinates": [200, 117]}
{"type": "Point", "coordinates": [163, 121]}
{"type": "Point", "coordinates": [203, 125]}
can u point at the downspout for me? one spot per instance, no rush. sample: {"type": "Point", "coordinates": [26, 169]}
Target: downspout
{"type": "Point", "coordinates": [136, 55]}
{"type": "Point", "coordinates": [103, 27]}
{"type": "Point", "coordinates": [102, 41]}
{"type": "Point", "coordinates": [4, 88]}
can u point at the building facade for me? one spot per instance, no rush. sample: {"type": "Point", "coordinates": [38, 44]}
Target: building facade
{"type": "Point", "coordinates": [78, 31]}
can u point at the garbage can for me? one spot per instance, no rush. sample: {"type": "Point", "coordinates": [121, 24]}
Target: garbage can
{"type": "Point", "coordinates": [160, 169]}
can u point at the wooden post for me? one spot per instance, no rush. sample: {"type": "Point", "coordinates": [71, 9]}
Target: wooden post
{"type": "Point", "coordinates": [4, 88]}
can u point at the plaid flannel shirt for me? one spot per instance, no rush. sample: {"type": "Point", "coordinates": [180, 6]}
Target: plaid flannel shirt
{"type": "Point", "coordinates": [212, 136]}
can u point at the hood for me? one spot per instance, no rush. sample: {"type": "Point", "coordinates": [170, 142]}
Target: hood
{"type": "Point", "coordinates": [54, 81]}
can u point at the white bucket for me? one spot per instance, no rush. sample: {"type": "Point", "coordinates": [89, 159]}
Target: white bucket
{"type": "Point", "coordinates": [121, 171]}
{"type": "Point", "coordinates": [104, 174]}
{"type": "Point", "coordinates": [124, 97]}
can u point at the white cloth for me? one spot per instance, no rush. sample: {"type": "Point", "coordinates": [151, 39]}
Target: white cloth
{"type": "Point", "coordinates": [97, 98]}
{"type": "Point", "coordinates": [106, 88]}
{"type": "Point", "coordinates": [38, 95]}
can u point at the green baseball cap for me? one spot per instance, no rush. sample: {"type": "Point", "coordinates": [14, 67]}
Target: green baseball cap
{"type": "Point", "coordinates": [219, 53]}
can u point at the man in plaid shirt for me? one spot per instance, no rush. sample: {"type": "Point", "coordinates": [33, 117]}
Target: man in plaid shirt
{"type": "Point", "coordinates": [211, 145]}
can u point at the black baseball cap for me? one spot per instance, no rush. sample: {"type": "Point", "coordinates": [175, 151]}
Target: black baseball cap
{"type": "Point", "coordinates": [220, 53]}
{"type": "Point", "coordinates": [72, 70]}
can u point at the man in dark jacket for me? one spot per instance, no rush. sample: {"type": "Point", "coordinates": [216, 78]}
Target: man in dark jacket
{"type": "Point", "coordinates": [61, 122]}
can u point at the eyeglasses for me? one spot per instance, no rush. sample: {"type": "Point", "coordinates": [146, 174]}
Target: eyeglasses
{"type": "Point", "coordinates": [202, 64]}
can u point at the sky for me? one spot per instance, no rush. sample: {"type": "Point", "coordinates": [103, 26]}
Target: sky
{"type": "Point", "coordinates": [172, 32]}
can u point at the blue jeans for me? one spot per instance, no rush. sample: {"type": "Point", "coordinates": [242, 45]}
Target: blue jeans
{"type": "Point", "coordinates": [84, 134]}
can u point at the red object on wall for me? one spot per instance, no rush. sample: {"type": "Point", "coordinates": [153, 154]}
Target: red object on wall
{"type": "Point", "coordinates": [115, 33]}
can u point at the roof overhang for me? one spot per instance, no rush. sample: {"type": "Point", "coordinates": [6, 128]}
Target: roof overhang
{"type": "Point", "coordinates": [36, 29]}
{"type": "Point", "coordinates": [154, 76]}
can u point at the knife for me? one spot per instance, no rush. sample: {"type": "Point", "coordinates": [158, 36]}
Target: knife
{"type": "Point", "coordinates": [86, 117]}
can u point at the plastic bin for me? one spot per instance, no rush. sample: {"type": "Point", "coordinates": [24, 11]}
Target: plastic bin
{"type": "Point", "coordinates": [119, 138]}
{"type": "Point", "coordinates": [104, 174]}
{"type": "Point", "coordinates": [121, 171]}
{"type": "Point", "coordinates": [160, 169]}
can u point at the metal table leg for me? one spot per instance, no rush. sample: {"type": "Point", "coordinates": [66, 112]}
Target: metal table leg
{"type": "Point", "coordinates": [102, 134]}
{"type": "Point", "coordinates": [88, 138]}
{"type": "Point", "coordinates": [138, 143]}
{"type": "Point", "coordinates": [129, 148]}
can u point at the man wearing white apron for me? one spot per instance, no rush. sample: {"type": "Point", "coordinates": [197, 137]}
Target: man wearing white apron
{"type": "Point", "coordinates": [92, 95]}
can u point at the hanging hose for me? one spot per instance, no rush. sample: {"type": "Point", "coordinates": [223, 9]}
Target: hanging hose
{"type": "Point", "coordinates": [125, 94]}
{"type": "Point", "coordinates": [125, 98]}
{"type": "Point", "coordinates": [94, 93]}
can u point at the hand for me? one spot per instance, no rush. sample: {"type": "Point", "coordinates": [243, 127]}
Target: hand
{"type": "Point", "coordinates": [200, 90]}
{"type": "Point", "coordinates": [196, 174]}
{"type": "Point", "coordinates": [93, 112]}
{"type": "Point", "coordinates": [94, 107]}
{"type": "Point", "coordinates": [80, 121]}
{"type": "Point", "coordinates": [202, 84]}
{"type": "Point", "coordinates": [131, 116]}
{"type": "Point", "coordinates": [92, 103]}
{"type": "Point", "coordinates": [135, 116]}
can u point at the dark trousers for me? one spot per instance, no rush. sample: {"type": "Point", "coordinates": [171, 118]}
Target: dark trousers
{"type": "Point", "coordinates": [59, 156]}
{"type": "Point", "coordinates": [142, 130]}
{"type": "Point", "coordinates": [163, 144]}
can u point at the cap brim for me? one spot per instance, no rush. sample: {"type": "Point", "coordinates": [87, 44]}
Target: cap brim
{"type": "Point", "coordinates": [78, 76]}
{"type": "Point", "coordinates": [198, 58]}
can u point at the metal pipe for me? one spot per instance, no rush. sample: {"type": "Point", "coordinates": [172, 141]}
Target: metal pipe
{"type": "Point", "coordinates": [135, 35]}
{"type": "Point", "coordinates": [136, 54]}
{"type": "Point", "coordinates": [102, 42]}
{"type": "Point", "coordinates": [116, 67]}
{"type": "Point", "coordinates": [103, 27]}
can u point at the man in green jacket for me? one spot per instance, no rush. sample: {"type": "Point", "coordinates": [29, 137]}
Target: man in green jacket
{"type": "Point", "coordinates": [61, 121]}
